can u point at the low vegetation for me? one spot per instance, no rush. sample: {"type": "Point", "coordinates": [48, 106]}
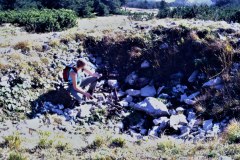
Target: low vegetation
{"type": "Point", "coordinates": [40, 20]}
{"type": "Point", "coordinates": [229, 14]}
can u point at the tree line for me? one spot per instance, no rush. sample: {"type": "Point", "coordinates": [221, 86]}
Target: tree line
{"type": "Point", "coordinates": [225, 10]}
{"type": "Point", "coordinates": [84, 8]}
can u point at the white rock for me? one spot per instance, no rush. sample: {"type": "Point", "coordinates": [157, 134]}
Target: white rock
{"type": "Point", "coordinates": [177, 120]}
{"type": "Point", "coordinates": [160, 120]}
{"type": "Point", "coordinates": [4, 78]}
{"type": "Point", "coordinates": [4, 84]}
{"type": "Point", "coordinates": [213, 82]}
{"type": "Point", "coordinates": [120, 125]}
{"type": "Point", "coordinates": [113, 83]}
{"type": "Point", "coordinates": [85, 111]}
{"type": "Point", "coordinates": [133, 92]}
{"type": "Point", "coordinates": [216, 128]}
{"type": "Point", "coordinates": [145, 64]}
{"type": "Point", "coordinates": [154, 131]}
{"type": "Point", "coordinates": [193, 77]}
{"type": "Point", "coordinates": [207, 125]}
{"type": "Point", "coordinates": [190, 102]}
{"type": "Point", "coordinates": [152, 106]}
{"type": "Point", "coordinates": [123, 103]}
{"type": "Point", "coordinates": [148, 91]}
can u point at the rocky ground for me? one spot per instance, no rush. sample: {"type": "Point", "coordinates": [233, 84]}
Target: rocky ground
{"type": "Point", "coordinates": [134, 114]}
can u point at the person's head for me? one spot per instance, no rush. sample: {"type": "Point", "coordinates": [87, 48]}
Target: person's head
{"type": "Point", "coordinates": [80, 64]}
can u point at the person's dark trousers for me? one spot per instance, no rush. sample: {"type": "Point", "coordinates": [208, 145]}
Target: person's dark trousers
{"type": "Point", "coordinates": [78, 96]}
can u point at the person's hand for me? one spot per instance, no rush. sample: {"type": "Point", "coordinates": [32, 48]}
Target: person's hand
{"type": "Point", "coordinates": [97, 75]}
{"type": "Point", "coordinates": [88, 95]}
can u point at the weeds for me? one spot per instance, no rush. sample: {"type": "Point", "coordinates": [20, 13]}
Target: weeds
{"type": "Point", "coordinates": [118, 142]}
{"type": "Point", "coordinates": [13, 141]}
{"type": "Point", "coordinates": [232, 133]}
{"type": "Point", "coordinates": [16, 156]}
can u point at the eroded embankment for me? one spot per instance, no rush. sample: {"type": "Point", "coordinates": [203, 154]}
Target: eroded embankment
{"type": "Point", "coordinates": [171, 66]}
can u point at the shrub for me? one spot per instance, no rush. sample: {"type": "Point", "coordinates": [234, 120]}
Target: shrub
{"type": "Point", "coordinates": [40, 20]}
{"type": "Point", "coordinates": [233, 132]}
{"type": "Point", "coordinates": [98, 142]}
{"type": "Point", "coordinates": [13, 141]}
{"type": "Point", "coordinates": [202, 12]}
{"type": "Point", "coordinates": [16, 156]}
{"type": "Point", "coordinates": [118, 142]}
{"type": "Point", "coordinates": [23, 46]}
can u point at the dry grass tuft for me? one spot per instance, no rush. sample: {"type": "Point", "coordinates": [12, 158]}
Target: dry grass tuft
{"type": "Point", "coordinates": [23, 46]}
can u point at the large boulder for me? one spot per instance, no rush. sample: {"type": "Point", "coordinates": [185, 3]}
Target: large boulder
{"type": "Point", "coordinates": [152, 106]}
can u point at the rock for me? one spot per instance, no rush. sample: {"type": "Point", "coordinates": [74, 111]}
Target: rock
{"type": "Point", "coordinates": [177, 120]}
{"type": "Point", "coordinates": [190, 102]}
{"type": "Point", "coordinates": [121, 93]}
{"type": "Point", "coordinates": [225, 158]}
{"type": "Point", "coordinates": [163, 96]}
{"type": "Point", "coordinates": [85, 111]}
{"type": "Point", "coordinates": [179, 88]}
{"type": "Point", "coordinates": [4, 84]}
{"type": "Point", "coordinates": [179, 109]}
{"type": "Point", "coordinates": [164, 46]}
{"type": "Point", "coordinates": [128, 98]}
{"type": "Point", "coordinates": [207, 125]}
{"type": "Point", "coordinates": [33, 123]}
{"type": "Point", "coordinates": [160, 89]}
{"type": "Point", "coordinates": [120, 125]}
{"type": "Point", "coordinates": [113, 83]}
{"type": "Point", "coordinates": [216, 129]}
{"type": "Point", "coordinates": [185, 130]}
{"type": "Point", "coordinates": [213, 82]}
{"type": "Point", "coordinates": [131, 78]}
{"type": "Point", "coordinates": [148, 91]}
{"type": "Point", "coordinates": [133, 92]}
{"type": "Point", "coordinates": [160, 120]}
{"type": "Point", "coordinates": [123, 103]}
{"type": "Point", "coordinates": [193, 77]}
{"type": "Point", "coordinates": [154, 131]}
{"type": "Point", "coordinates": [194, 95]}
{"type": "Point", "coordinates": [143, 131]}
{"type": "Point", "coordinates": [4, 78]}
{"type": "Point", "coordinates": [152, 106]}
{"type": "Point", "coordinates": [191, 115]}
{"type": "Point", "coordinates": [222, 37]}
{"type": "Point", "coordinates": [145, 64]}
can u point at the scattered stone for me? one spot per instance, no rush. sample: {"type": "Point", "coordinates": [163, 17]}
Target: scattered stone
{"type": "Point", "coordinates": [132, 92]}
{"type": "Point", "coordinates": [145, 64]}
{"type": "Point", "coordinates": [113, 83]}
{"type": "Point", "coordinates": [131, 78]}
{"type": "Point", "coordinates": [152, 106]}
{"type": "Point", "coordinates": [148, 91]}
{"type": "Point", "coordinates": [213, 82]}
{"type": "Point", "coordinates": [207, 125]}
{"type": "Point", "coordinates": [193, 77]}
{"type": "Point", "coordinates": [177, 120]}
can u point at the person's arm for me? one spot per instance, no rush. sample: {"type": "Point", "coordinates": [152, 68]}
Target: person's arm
{"type": "Point", "coordinates": [76, 87]}
{"type": "Point", "coordinates": [91, 73]}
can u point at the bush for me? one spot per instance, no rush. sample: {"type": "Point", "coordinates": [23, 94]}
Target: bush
{"type": "Point", "coordinates": [233, 132]}
{"type": "Point", "coordinates": [16, 156]}
{"type": "Point", "coordinates": [40, 20]}
{"type": "Point", "coordinates": [118, 142]}
{"type": "Point", "coordinates": [202, 12]}
{"type": "Point", "coordinates": [13, 141]}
